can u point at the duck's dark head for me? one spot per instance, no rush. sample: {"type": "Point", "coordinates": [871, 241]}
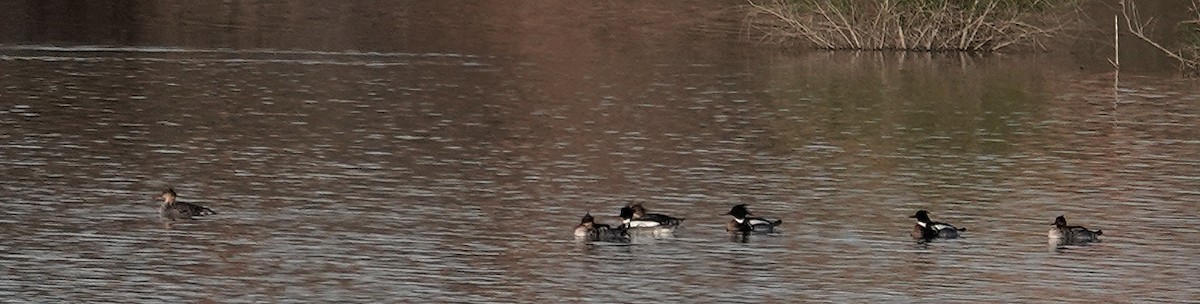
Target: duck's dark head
{"type": "Point", "coordinates": [739, 211]}
{"type": "Point", "coordinates": [626, 213]}
{"type": "Point", "coordinates": [921, 216]}
{"type": "Point", "coordinates": [587, 223]}
{"type": "Point", "coordinates": [1060, 221]}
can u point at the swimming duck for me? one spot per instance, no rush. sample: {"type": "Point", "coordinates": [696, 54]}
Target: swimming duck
{"type": "Point", "coordinates": [1064, 234]}
{"type": "Point", "coordinates": [741, 223]}
{"type": "Point", "coordinates": [589, 230]}
{"type": "Point", "coordinates": [639, 213]}
{"type": "Point", "coordinates": [173, 210]}
{"type": "Point", "coordinates": [592, 231]}
{"type": "Point", "coordinates": [927, 229]}
{"type": "Point", "coordinates": [628, 221]}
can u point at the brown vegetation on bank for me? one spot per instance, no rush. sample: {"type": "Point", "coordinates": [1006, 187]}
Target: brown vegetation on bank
{"type": "Point", "coordinates": [914, 25]}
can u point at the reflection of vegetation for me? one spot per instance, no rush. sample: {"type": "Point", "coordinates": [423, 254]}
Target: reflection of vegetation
{"type": "Point", "coordinates": [921, 25]}
{"type": "Point", "coordinates": [864, 118]}
{"type": "Point", "coordinates": [1188, 55]}
{"type": "Point", "coordinates": [867, 101]}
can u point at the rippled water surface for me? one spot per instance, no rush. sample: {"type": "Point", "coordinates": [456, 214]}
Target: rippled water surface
{"type": "Point", "coordinates": [430, 154]}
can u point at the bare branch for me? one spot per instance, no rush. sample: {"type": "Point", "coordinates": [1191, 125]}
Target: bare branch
{"type": "Point", "coordinates": [1137, 29]}
{"type": "Point", "coordinates": [892, 24]}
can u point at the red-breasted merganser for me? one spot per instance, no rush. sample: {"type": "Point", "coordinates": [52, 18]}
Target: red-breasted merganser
{"type": "Point", "coordinates": [1064, 234]}
{"type": "Point", "coordinates": [173, 210]}
{"type": "Point", "coordinates": [743, 224]}
{"type": "Point", "coordinates": [927, 229]}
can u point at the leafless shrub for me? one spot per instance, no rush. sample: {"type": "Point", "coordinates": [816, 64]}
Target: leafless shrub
{"type": "Point", "coordinates": [1188, 55]}
{"type": "Point", "coordinates": [916, 25]}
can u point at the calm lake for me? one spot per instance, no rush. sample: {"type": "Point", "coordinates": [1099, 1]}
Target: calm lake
{"type": "Point", "coordinates": [443, 151]}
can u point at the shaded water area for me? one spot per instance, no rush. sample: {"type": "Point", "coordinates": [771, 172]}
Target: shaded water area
{"type": "Point", "coordinates": [443, 152]}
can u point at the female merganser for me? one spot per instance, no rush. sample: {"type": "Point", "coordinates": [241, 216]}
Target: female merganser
{"type": "Point", "coordinates": [927, 229]}
{"type": "Point", "coordinates": [1064, 234]}
{"type": "Point", "coordinates": [590, 231]}
{"type": "Point", "coordinates": [172, 210]}
{"type": "Point", "coordinates": [639, 213]}
{"type": "Point", "coordinates": [741, 223]}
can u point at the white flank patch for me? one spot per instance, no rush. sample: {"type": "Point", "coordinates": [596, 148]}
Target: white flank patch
{"type": "Point", "coordinates": [643, 224]}
{"type": "Point", "coordinates": [738, 220]}
{"type": "Point", "coordinates": [759, 222]}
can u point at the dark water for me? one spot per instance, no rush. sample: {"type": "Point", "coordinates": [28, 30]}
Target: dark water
{"type": "Point", "coordinates": [424, 152]}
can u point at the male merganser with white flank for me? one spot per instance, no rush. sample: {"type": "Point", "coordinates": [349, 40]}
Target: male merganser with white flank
{"type": "Point", "coordinates": [927, 229]}
{"type": "Point", "coordinates": [589, 230]}
{"type": "Point", "coordinates": [627, 221]}
{"type": "Point", "coordinates": [639, 213]}
{"type": "Point", "coordinates": [173, 210]}
{"type": "Point", "coordinates": [741, 223]}
{"type": "Point", "coordinates": [1064, 234]}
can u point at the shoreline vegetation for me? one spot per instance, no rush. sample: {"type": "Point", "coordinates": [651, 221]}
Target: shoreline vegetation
{"type": "Point", "coordinates": [911, 25]}
{"type": "Point", "coordinates": [975, 26]}
{"type": "Point", "coordinates": [1187, 54]}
